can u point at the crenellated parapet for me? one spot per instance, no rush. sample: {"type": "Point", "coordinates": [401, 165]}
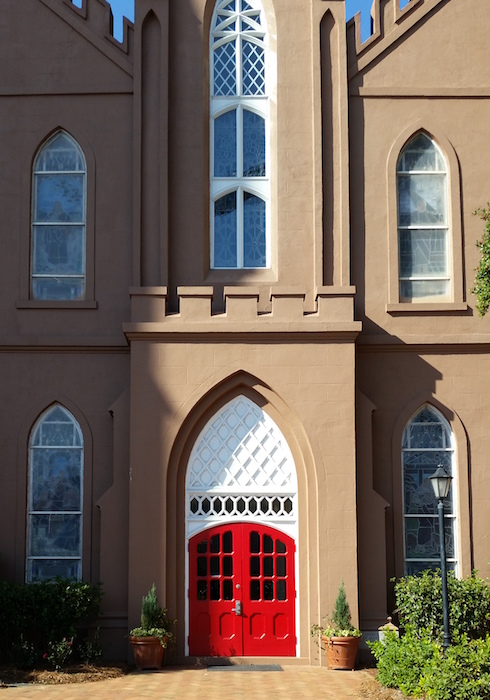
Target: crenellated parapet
{"type": "Point", "coordinates": [389, 23]}
{"type": "Point", "coordinates": [150, 316]}
{"type": "Point", "coordinates": [94, 21]}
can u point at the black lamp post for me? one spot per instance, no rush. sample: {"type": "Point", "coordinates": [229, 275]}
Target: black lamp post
{"type": "Point", "coordinates": [441, 481]}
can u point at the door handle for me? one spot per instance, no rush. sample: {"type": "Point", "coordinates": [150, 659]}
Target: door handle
{"type": "Point", "coordinates": [238, 609]}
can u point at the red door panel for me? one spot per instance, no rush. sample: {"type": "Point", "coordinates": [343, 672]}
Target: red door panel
{"type": "Point", "coordinates": [242, 592]}
{"type": "Point", "coordinates": [269, 593]}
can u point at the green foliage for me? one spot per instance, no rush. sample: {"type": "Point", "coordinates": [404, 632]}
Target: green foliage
{"type": "Point", "coordinates": [415, 663]}
{"type": "Point", "coordinates": [59, 652]}
{"type": "Point", "coordinates": [151, 612]}
{"type": "Point", "coordinates": [402, 661]}
{"type": "Point", "coordinates": [462, 673]}
{"type": "Point", "coordinates": [481, 287]}
{"type": "Point", "coordinates": [419, 604]}
{"type": "Point", "coordinates": [154, 620]}
{"type": "Point", "coordinates": [89, 650]}
{"type": "Point", "coordinates": [341, 616]}
{"type": "Point", "coordinates": [34, 615]}
{"type": "Point", "coordinates": [340, 624]}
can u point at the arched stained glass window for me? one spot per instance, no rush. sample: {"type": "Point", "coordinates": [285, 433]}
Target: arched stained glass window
{"type": "Point", "coordinates": [239, 136]}
{"type": "Point", "coordinates": [54, 526]}
{"type": "Point", "coordinates": [423, 223]}
{"type": "Point", "coordinates": [427, 442]}
{"type": "Point", "coordinates": [58, 221]}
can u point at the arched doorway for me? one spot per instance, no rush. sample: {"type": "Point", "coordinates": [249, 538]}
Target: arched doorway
{"type": "Point", "coordinates": [241, 527]}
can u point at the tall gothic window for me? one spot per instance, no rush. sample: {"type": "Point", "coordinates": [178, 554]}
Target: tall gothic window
{"type": "Point", "coordinates": [423, 235]}
{"type": "Point", "coordinates": [58, 221]}
{"type": "Point", "coordinates": [427, 442]}
{"type": "Point", "coordinates": [54, 521]}
{"type": "Point", "coordinates": [239, 136]}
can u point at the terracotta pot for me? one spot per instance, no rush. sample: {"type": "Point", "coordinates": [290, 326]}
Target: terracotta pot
{"type": "Point", "coordinates": [147, 651]}
{"type": "Point", "coordinates": [341, 652]}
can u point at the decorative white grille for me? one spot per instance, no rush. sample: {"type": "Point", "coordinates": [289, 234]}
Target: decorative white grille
{"type": "Point", "coordinates": [241, 467]}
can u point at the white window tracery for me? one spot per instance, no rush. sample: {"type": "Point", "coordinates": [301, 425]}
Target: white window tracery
{"type": "Point", "coordinates": [239, 136]}
{"type": "Point", "coordinates": [241, 467]}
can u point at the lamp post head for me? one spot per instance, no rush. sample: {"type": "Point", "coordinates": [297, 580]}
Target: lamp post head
{"type": "Point", "coordinates": [441, 482]}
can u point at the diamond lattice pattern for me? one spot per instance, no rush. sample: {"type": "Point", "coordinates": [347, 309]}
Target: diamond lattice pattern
{"type": "Point", "coordinates": [242, 450]}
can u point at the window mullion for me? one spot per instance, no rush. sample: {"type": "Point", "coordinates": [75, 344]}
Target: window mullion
{"type": "Point", "coordinates": [239, 228]}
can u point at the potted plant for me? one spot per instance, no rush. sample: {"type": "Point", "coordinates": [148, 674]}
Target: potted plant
{"type": "Point", "coordinates": [153, 636]}
{"type": "Point", "coordinates": [341, 638]}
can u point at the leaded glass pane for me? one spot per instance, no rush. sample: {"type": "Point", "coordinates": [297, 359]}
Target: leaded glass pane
{"type": "Point", "coordinates": [58, 216]}
{"type": "Point", "coordinates": [225, 231]}
{"type": "Point", "coordinates": [254, 231]}
{"type": "Point", "coordinates": [60, 289]}
{"type": "Point", "coordinates": [57, 428]}
{"type": "Point", "coordinates": [253, 69]}
{"type": "Point", "coordinates": [422, 200]}
{"type": "Point", "coordinates": [422, 538]}
{"type": "Point", "coordinates": [425, 432]}
{"type": "Point", "coordinates": [225, 69]}
{"type": "Point", "coordinates": [45, 569]}
{"type": "Point", "coordinates": [58, 249]}
{"type": "Point", "coordinates": [426, 444]}
{"type": "Point", "coordinates": [423, 253]}
{"type": "Point", "coordinates": [253, 144]}
{"type": "Point", "coordinates": [421, 154]}
{"type": "Point", "coordinates": [225, 145]}
{"type": "Point", "coordinates": [59, 198]}
{"type": "Point", "coordinates": [424, 290]}
{"type": "Point", "coordinates": [415, 568]}
{"type": "Point", "coordinates": [55, 479]}
{"type": "Point", "coordinates": [55, 496]}
{"type": "Point", "coordinates": [60, 154]}
{"type": "Point", "coordinates": [55, 535]}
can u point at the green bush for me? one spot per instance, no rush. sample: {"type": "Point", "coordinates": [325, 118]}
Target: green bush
{"type": "Point", "coordinates": [402, 661]}
{"type": "Point", "coordinates": [419, 604]}
{"type": "Point", "coordinates": [416, 663]}
{"type": "Point", "coordinates": [417, 666]}
{"type": "Point", "coordinates": [462, 673]}
{"type": "Point", "coordinates": [481, 287]}
{"type": "Point", "coordinates": [34, 616]}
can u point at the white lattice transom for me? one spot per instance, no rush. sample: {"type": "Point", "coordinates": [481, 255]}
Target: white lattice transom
{"type": "Point", "coordinates": [241, 467]}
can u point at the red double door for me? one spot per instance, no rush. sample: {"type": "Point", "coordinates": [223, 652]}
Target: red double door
{"type": "Point", "coordinates": [241, 592]}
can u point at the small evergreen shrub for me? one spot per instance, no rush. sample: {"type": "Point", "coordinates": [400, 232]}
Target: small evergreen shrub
{"type": "Point", "coordinates": [154, 620]}
{"type": "Point", "coordinates": [340, 623]}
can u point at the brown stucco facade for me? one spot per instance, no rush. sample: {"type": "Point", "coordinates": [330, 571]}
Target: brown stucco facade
{"type": "Point", "coordinates": [318, 340]}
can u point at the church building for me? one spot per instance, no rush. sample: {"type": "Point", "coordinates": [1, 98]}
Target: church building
{"type": "Point", "coordinates": [237, 331]}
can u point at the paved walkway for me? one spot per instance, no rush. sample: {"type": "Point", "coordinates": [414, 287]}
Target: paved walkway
{"type": "Point", "coordinates": [200, 684]}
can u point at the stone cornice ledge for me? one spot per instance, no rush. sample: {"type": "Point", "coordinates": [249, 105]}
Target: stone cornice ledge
{"type": "Point", "coordinates": [463, 343]}
{"type": "Point", "coordinates": [220, 329]}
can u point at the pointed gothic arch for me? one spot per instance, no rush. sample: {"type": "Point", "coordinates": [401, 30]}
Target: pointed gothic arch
{"type": "Point", "coordinates": [54, 542]}
{"type": "Point", "coordinates": [450, 419]}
